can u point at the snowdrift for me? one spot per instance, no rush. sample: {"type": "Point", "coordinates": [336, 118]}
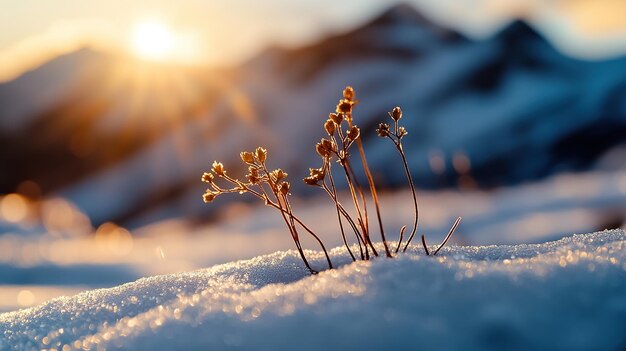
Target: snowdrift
{"type": "Point", "coordinates": [567, 294]}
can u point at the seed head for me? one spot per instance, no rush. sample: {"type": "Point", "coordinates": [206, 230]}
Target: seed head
{"type": "Point", "coordinates": [261, 154]}
{"type": "Point", "coordinates": [336, 117]}
{"type": "Point", "coordinates": [284, 188]}
{"type": "Point", "coordinates": [315, 176]}
{"type": "Point", "coordinates": [382, 130]}
{"type": "Point", "coordinates": [324, 148]}
{"type": "Point", "coordinates": [253, 171]}
{"type": "Point", "coordinates": [253, 179]}
{"type": "Point", "coordinates": [330, 127]}
{"type": "Point", "coordinates": [396, 113]}
{"type": "Point", "coordinates": [207, 177]}
{"type": "Point", "coordinates": [354, 133]}
{"type": "Point", "coordinates": [311, 181]}
{"type": "Point", "coordinates": [344, 106]}
{"type": "Point", "coordinates": [279, 174]}
{"type": "Point", "coordinates": [402, 132]}
{"type": "Point", "coordinates": [247, 157]}
{"type": "Point", "coordinates": [218, 168]}
{"type": "Point", "coordinates": [209, 196]}
{"type": "Point", "coordinates": [348, 93]}
{"type": "Point", "coordinates": [317, 173]}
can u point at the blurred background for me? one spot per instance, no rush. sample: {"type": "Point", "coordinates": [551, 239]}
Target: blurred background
{"type": "Point", "coordinates": [111, 110]}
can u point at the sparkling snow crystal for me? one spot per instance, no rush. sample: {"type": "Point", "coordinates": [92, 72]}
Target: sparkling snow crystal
{"type": "Point", "coordinates": [568, 294]}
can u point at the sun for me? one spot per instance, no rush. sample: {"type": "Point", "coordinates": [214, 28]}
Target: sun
{"type": "Point", "coordinates": [152, 40]}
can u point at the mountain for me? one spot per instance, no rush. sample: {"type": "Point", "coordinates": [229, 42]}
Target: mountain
{"type": "Point", "coordinates": [503, 110]}
{"type": "Point", "coordinates": [87, 111]}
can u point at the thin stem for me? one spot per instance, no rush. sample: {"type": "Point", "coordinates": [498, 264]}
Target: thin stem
{"type": "Point", "coordinates": [412, 185]}
{"type": "Point", "coordinates": [370, 180]}
{"type": "Point", "coordinates": [334, 197]}
{"type": "Point", "coordinates": [400, 239]}
{"type": "Point", "coordinates": [425, 246]}
{"type": "Point", "coordinates": [330, 264]}
{"type": "Point", "coordinates": [346, 215]}
{"type": "Point", "coordinates": [450, 232]}
{"type": "Point", "coordinates": [361, 195]}
{"type": "Point", "coordinates": [355, 201]}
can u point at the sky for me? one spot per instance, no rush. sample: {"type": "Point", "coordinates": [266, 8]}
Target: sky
{"type": "Point", "coordinates": [228, 32]}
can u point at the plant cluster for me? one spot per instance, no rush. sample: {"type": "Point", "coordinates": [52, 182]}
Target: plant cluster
{"type": "Point", "coordinates": [343, 135]}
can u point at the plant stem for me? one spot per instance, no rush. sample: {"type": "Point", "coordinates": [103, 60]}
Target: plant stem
{"type": "Point", "coordinates": [370, 180]}
{"type": "Point", "coordinates": [334, 197]}
{"type": "Point", "coordinates": [450, 232]}
{"type": "Point", "coordinates": [412, 185]}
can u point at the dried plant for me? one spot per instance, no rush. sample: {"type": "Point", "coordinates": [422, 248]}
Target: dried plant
{"type": "Point", "coordinates": [343, 133]}
{"type": "Point", "coordinates": [269, 186]}
{"type": "Point", "coordinates": [396, 134]}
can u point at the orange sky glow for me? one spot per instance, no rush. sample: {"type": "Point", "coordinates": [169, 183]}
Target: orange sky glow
{"type": "Point", "coordinates": [226, 33]}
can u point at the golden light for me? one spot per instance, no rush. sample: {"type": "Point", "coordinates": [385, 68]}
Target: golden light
{"type": "Point", "coordinates": [152, 40]}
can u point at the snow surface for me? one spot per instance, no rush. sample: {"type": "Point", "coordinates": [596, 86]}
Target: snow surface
{"type": "Point", "coordinates": [567, 294]}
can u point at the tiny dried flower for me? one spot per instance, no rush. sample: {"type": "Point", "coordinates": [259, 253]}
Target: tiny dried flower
{"type": "Point", "coordinates": [383, 130]}
{"type": "Point", "coordinates": [396, 113]}
{"type": "Point", "coordinates": [207, 177]}
{"type": "Point", "coordinates": [218, 168]}
{"type": "Point", "coordinates": [330, 127]}
{"type": "Point", "coordinates": [253, 171]}
{"type": "Point", "coordinates": [279, 174]}
{"type": "Point", "coordinates": [253, 179]}
{"type": "Point", "coordinates": [317, 173]}
{"type": "Point", "coordinates": [324, 148]}
{"type": "Point", "coordinates": [344, 106]}
{"type": "Point", "coordinates": [354, 133]}
{"type": "Point", "coordinates": [402, 132]}
{"type": "Point", "coordinates": [348, 93]}
{"type": "Point", "coordinates": [261, 154]}
{"type": "Point", "coordinates": [336, 117]}
{"type": "Point", "coordinates": [284, 188]}
{"type": "Point", "coordinates": [247, 157]}
{"type": "Point", "coordinates": [311, 181]}
{"type": "Point", "coordinates": [209, 196]}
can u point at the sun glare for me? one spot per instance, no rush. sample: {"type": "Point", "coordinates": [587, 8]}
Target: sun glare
{"type": "Point", "coordinates": [152, 41]}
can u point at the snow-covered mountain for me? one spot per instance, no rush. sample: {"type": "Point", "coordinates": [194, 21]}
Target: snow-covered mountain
{"type": "Point", "coordinates": [510, 108]}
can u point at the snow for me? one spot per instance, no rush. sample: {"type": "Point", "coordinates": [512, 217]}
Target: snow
{"type": "Point", "coordinates": [566, 294]}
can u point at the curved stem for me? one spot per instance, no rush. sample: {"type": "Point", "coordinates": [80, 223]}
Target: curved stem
{"type": "Point", "coordinates": [425, 246]}
{"type": "Point", "coordinates": [400, 238]}
{"type": "Point", "coordinates": [412, 185]}
{"type": "Point", "coordinates": [450, 232]}
{"type": "Point", "coordinates": [334, 198]}
{"type": "Point", "coordinates": [292, 217]}
{"type": "Point", "coordinates": [370, 180]}
{"type": "Point", "coordinates": [346, 215]}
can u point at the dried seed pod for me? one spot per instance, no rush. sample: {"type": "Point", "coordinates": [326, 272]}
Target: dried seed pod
{"type": "Point", "coordinates": [279, 174]}
{"type": "Point", "coordinates": [317, 173]}
{"type": "Point", "coordinates": [284, 188]}
{"type": "Point", "coordinates": [344, 106]}
{"type": "Point", "coordinates": [253, 171]}
{"type": "Point", "coordinates": [402, 132]}
{"type": "Point", "coordinates": [253, 179]}
{"type": "Point", "coordinates": [247, 157]}
{"type": "Point", "coordinates": [382, 130]}
{"type": "Point", "coordinates": [261, 154]}
{"type": "Point", "coordinates": [348, 93]}
{"type": "Point", "coordinates": [336, 117]}
{"type": "Point", "coordinates": [330, 127]}
{"type": "Point", "coordinates": [207, 177]}
{"type": "Point", "coordinates": [218, 168]}
{"type": "Point", "coordinates": [324, 148]}
{"type": "Point", "coordinates": [209, 196]}
{"type": "Point", "coordinates": [354, 133]}
{"type": "Point", "coordinates": [396, 113]}
{"type": "Point", "coordinates": [310, 181]}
